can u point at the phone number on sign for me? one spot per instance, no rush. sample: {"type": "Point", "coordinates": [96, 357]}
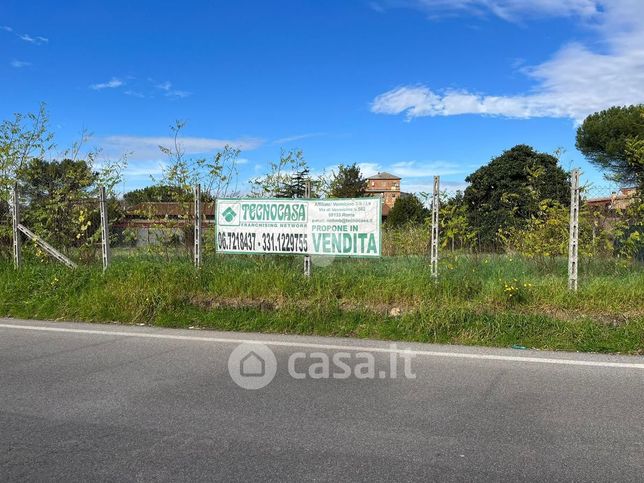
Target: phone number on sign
{"type": "Point", "coordinates": [263, 242]}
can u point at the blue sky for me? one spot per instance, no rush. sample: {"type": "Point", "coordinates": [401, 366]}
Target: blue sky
{"type": "Point", "coordinates": [414, 87]}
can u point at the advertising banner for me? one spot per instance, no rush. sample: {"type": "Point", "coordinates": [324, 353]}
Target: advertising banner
{"type": "Point", "coordinates": [338, 227]}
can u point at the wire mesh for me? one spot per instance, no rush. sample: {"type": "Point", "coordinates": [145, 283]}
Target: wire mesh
{"type": "Point", "coordinates": [527, 224]}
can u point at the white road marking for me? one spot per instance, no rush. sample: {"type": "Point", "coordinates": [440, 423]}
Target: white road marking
{"type": "Point", "coordinates": [338, 347]}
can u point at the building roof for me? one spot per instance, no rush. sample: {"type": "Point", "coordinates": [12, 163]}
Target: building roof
{"type": "Point", "coordinates": [161, 209]}
{"type": "Point", "coordinates": [384, 175]}
{"type": "Point", "coordinates": [616, 200]}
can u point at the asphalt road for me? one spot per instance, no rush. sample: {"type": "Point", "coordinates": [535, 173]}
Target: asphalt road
{"type": "Point", "coordinates": [108, 402]}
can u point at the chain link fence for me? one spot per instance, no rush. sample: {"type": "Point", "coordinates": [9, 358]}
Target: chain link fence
{"type": "Point", "coordinates": [610, 226]}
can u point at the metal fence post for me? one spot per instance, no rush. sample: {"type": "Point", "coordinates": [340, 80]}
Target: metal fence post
{"type": "Point", "coordinates": [307, 258]}
{"type": "Point", "coordinates": [197, 210]}
{"type": "Point", "coordinates": [105, 229]}
{"type": "Point", "coordinates": [574, 230]}
{"type": "Point", "coordinates": [15, 217]}
{"type": "Point", "coordinates": [434, 240]}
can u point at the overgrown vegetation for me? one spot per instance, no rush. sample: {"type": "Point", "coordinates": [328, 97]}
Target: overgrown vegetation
{"type": "Point", "coordinates": [613, 140]}
{"type": "Point", "coordinates": [506, 193]}
{"type": "Point", "coordinates": [407, 210]}
{"type": "Point", "coordinates": [348, 182]}
{"type": "Point", "coordinates": [484, 300]}
{"type": "Point", "coordinates": [516, 205]}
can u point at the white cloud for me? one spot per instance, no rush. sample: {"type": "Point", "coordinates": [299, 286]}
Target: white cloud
{"type": "Point", "coordinates": [144, 170]}
{"type": "Point", "coordinates": [177, 94]}
{"type": "Point", "coordinates": [377, 7]}
{"type": "Point", "coordinates": [507, 9]}
{"type": "Point", "coordinates": [575, 82]}
{"type": "Point", "coordinates": [143, 148]}
{"type": "Point", "coordinates": [138, 169]}
{"type": "Point", "coordinates": [142, 91]}
{"type": "Point", "coordinates": [420, 101]}
{"type": "Point", "coordinates": [427, 186]}
{"type": "Point", "coordinates": [111, 84]}
{"type": "Point", "coordinates": [133, 93]}
{"type": "Point", "coordinates": [166, 87]}
{"type": "Point", "coordinates": [417, 176]}
{"type": "Point", "coordinates": [19, 64]}
{"type": "Point", "coordinates": [298, 137]}
{"type": "Point", "coordinates": [37, 40]}
{"type": "Point", "coordinates": [415, 169]}
{"type": "Point", "coordinates": [368, 169]}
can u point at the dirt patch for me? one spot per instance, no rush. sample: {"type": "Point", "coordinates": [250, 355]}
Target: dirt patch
{"type": "Point", "coordinates": [612, 319]}
{"type": "Point", "coordinates": [384, 309]}
{"type": "Point", "coordinates": [209, 302]}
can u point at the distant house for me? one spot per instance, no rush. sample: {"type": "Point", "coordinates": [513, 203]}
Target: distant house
{"type": "Point", "coordinates": [155, 221]}
{"type": "Point", "coordinates": [387, 186]}
{"type": "Point", "coordinates": [156, 213]}
{"type": "Point", "coordinates": [616, 201]}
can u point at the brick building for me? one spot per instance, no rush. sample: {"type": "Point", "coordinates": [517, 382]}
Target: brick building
{"type": "Point", "coordinates": [387, 186]}
{"type": "Point", "coordinates": [616, 201]}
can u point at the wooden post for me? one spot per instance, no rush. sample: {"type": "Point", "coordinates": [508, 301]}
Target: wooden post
{"type": "Point", "coordinates": [15, 217]}
{"type": "Point", "coordinates": [105, 229]}
{"type": "Point", "coordinates": [435, 232]}
{"type": "Point", "coordinates": [573, 242]}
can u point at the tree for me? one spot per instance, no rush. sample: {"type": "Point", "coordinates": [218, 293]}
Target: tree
{"type": "Point", "coordinates": [21, 138]}
{"type": "Point", "coordinates": [218, 175]}
{"type": "Point", "coordinates": [347, 182]}
{"type": "Point", "coordinates": [407, 210]}
{"type": "Point", "coordinates": [59, 194]}
{"type": "Point", "coordinates": [295, 187]}
{"type": "Point", "coordinates": [157, 193]}
{"type": "Point", "coordinates": [545, 234]}
{"type": "Point", "coordinates": [635, 156]}
{"type": "Point", "coordinates": [454, 228]}
{"type": "Point", "coordinates": [58, 197]}
{"type": "Point", "coordinates": [285, 179]}
{"type": "Point", "coordinates": [506, 192]}
{"type": "Point", "coordinates": [612, 140]}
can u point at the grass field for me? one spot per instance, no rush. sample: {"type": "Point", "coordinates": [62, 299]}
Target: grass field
{"type": "Point", "coordinates": [482, 300]}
